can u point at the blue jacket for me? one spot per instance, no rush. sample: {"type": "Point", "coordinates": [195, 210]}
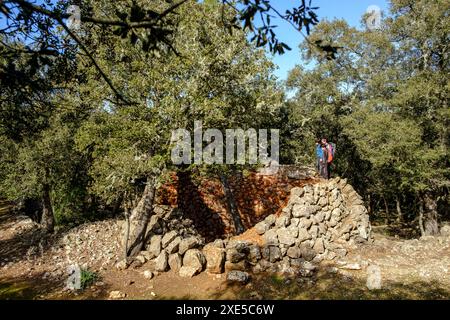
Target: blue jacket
{"type": "Point", "coordinates": [319, 152]}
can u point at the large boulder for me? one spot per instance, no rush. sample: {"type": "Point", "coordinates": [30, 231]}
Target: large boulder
{"type": "Point", "coordinates": [188, 243]}
{"type": "Point", "coordinates": [194, 258]}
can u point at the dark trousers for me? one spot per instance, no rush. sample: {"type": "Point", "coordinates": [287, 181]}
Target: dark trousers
{"type": "Point", "coordinates": [324, 170]}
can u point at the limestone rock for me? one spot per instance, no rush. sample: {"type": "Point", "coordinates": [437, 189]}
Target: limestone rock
{"type": "Point", "coordinates": [167, 238]}
{"type": "Point", "coordinates": [155, 246]}
{"type": "Point", "coordinates": [148, 274]}
{"type": "Point", "coordinates": [303, 235]}
{"type": "Point", "coordinates": [117, 295]}
{"type": "Point", "coordinates": [285, 237]}
{"type": "Point", "coordinates": [307, 252]}
{"type": "Point", "coordinates": [297, 192]}
{"type": "Point", "coordinates": [374, 280]}
{"type": "Point", "coordinates": [282, 221]}
{"type": "Point", "coordinates": [187, 272]}
{"type": "Point", "coordinates": [174, 245]}
{"type": "Point", "coordinates": [188, 243]}
{"type": "Point", "coordinates": [271, 253]}
{"type": "Point", "coordinates": [318, 246]}
{"type": "Point", "coordinates": [303, 211]}
{"type": "Point", "coordinates": [215, 259]}
{"type": "Point", "coordinates": [195, 259]}
{"type": "Point", "coordinates": [270, 220]}
{"type": "Point", "coordinates": [294, 252]}
{"type": "Point", "coordinates": [175, 262]}
{"type": "Point", "coordinates": [261, 227]}
{"type": "Point", "coordinates": [254, 254]}
{"type": "Point", "coordinates": [271, 237]}
{"type": "Point", "coordinates": [238, 276]}
{"type": "Point", "coordinates": [161, 263]}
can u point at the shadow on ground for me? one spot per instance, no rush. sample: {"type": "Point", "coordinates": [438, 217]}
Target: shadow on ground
{"type": "Point", "coordinates": [37, 288]}
{"type": "Point", "coordinates": [328, 286]}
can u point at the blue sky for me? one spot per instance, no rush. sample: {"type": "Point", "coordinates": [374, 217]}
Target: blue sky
{"type": "Point", "coordinates": [350, 10]}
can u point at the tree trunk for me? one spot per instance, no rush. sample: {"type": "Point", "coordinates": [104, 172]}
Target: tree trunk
{"type": "Point", "coordinates": [136, 227]}
{"type": "Point", "coordinates": [232, 206]}
{"type": "Point", "coordinates": [399, 210]}
{"type": "Point", "coordinates": [47, 219]}
{"type": "Point", "coordinates": [429, 220]}
{"type": "Point", "coordinates": [386, 208]}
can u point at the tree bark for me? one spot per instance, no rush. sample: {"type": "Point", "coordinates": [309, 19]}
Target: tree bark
{"type": "Point", "coordinates": [136, 227]}
{"type": "Point", "coordinates": [232, 205]}
{"type": "Point", "coordinates": [47, 219]}
{"type": "Point", "coordinates": [386, 208]}
{"type": "Point", "coordinates": [430, 225]}
{"type": "Point", "coordinates": [399, 209]}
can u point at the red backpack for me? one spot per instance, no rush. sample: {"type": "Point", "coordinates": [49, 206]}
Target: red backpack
{"type": "Point", "coordinates": [330, 148]}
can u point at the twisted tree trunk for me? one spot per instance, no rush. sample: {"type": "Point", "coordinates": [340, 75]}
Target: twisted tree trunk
{"type": "Point", "coordinates": [428, 218]}
{"type": "Point", "coordinates": [232, 205]}
{"type": "Point", "coordinates": [136, 226]}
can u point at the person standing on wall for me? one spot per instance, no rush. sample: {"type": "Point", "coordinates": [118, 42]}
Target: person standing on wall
{"type": "Point", "coordinates": [330, 150]}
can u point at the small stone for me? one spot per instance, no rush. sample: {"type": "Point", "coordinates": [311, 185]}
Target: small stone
{"type": "Point", "coordinates": [351, 266]}
{"type": "Point", "coordinates": [117, 295]}
{"type": "Point", "coordinates": [285, 237]}
{"type": "Point", "coordinates": [297, 192]}
{"type": "Point", "coordinates": [121, 265]}
{"type": "Point", "coordinates": [303, 211]}
{"type": "Point", "coordinates": [303, 235]}
{"type": "Point", "coordinates": [373, 277]}
{"type": "Point", "coordinates": [282, 221]}
{"type": "Point", "coordinates": [141, 259]}
{"type": "Point", "coordinates": [238, 276]}
{"type": "Point", "coordinates": [254, 254]}
{"type": "Point", "coordinates": [318, 246]}
{"type": "Point", "coordinates": [271, 237]}
{"type": "Point", "coordinates": [314, 231]}
{"type": "Point", "coordinates": [307, 252]}
{"type": "Point", "coordinates": [270, 220]}
{"type": "Point", "coordinates": [295, 222]}
{"type": "Point", "coordinates": [261, 227]}
{"type": "Point", "coordinates": [319, 217]}
{"type": "Point", "coordinates": [294, 252]}
{"type": "Point", "coordinates": [148, 274]}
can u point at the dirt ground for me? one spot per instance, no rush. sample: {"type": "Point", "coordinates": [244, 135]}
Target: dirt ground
{"type": "Point", "coordinates": [32, 268]}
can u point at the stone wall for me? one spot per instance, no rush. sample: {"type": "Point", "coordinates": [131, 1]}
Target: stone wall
{"type": "Point", "coordinates": [257, 196]}
{"type": "Point", "coordinates": [321, 221]}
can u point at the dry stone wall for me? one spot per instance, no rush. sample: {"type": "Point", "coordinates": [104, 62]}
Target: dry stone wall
{"type": "Point", "coordinates": [321, 221]}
